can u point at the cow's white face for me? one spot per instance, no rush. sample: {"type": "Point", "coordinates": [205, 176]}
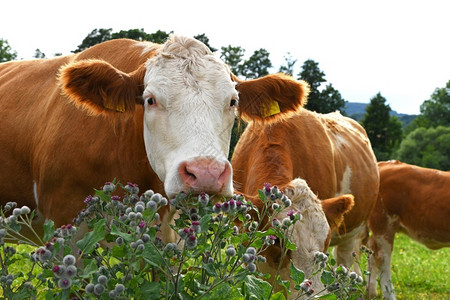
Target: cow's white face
{"type": "Point", "coordinates": [190, 104]}
{"type": "Point", "coordinates": [310, 235]}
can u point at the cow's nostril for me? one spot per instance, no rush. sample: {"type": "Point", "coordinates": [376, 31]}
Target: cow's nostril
{"type": "Point", "coordinates": [190, 174]}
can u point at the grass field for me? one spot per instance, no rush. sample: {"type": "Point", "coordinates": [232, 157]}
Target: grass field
{"type": "Point", "coordinates": [417, 272]}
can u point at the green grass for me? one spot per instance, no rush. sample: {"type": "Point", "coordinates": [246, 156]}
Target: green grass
{"type": "Point", "coordinates": [417, 272]}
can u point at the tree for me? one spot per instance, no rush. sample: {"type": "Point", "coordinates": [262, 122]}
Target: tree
{"type": "Point", "coordinates": [232, 56]}
{"type": "Point", "coordinates": [325, 101]}
{"type": "Point", "coordinates": [330, 100]}
{"type": "Point", "coordinates": [436, 110]}
{"type": "Point", "coordinates": [288, 67]}
{"type": "Point", "coordinates": [159, 37]}
{"type": "Point", "coordinates": [205, 40]}
{"type": "Point", "coordinates": [39, 54]}
{"type": "Point", "coordinates": [96, 36]}
{"type": "Point", "coordinates": [257, 65]}
{"type": "Point", "coordinates": [384, 131]}
{"type": "Point", "coordinates": [427, 147]}
{"type": "Point", "coordinates": [6, 53]}
{"type": "Point", "coordinates": [134, 34]}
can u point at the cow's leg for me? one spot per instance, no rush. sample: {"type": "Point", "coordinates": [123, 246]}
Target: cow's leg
{"type": "Point", "coordinates": [383, 227]}
{"type": "Point", "coordinates": [381, 262]}
{"type": "Point", "coordinates": [344, 253]}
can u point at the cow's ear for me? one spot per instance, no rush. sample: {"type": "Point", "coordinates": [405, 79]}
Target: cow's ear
{"type": "Point", "coordinates": [271, 97]}
{"type": "Point", "coordinates": [335, 209]}
{"type": "Point", "coordinates": [101, 88]}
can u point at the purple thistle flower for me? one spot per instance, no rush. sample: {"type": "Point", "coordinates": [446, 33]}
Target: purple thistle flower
{"type": "Point", "coordinates": [232, 204]}
{"type": "Point", "coordinates": [69, 260]}
{"type": "Point", "coordinates": [225, 207]}
{"type": "Point", "coordinates": [184, 233]}
{"type": "Point", "coordinates": [196, 226]}
{"type": "Point", "coordinates": [275, 223]}
{"type": "Point", "coordinates": [108, 187]}
{"type": "Point", "coordinates": [251, 267]}
{"type": "Point", "coordinates": [217, 208]}
{"type": "Point", "coordinates": [191, 242]}
{"type": "Point", "coordinates": [64, 283]}
{"type": "Point", "coordinates": [267, 189]}
{"type": "Point", "coordinates": [71, 271]}
{"type": "Point", "coordinates": [203, 198]}
{"type": "Point", "coordinates": [141, 224]}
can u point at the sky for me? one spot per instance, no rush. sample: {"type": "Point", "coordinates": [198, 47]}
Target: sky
{"type": "Point", "coordinates": [398, 48]}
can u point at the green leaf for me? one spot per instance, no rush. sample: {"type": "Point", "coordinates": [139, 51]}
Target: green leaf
{"type": "Point", "coordinates": [296, 274]}
{"type": "Point", "coordinates": [283, 283]}
{"type": "Point", "coordinates": [278, 296]}
{"type": "Point", "coordinates": [290, 246]}
{"type": "Point", "coordinates": [90, 267]}
{"type": "Point", "coordinates": [87, 243]}
{"type": "Point", "coordinates": [255, 288]}
{"type": "Point", "coordinates": [151, 290]}
{"type": "Point", "coordinates": [261, 196]}
{"type": "Point", "coordinates": [49, 230]}
{"type": "Point", "coordinates": [329, 296]}
{"type": "Point", "coordinates": [327, 277]}
{"type": "Point", "coordinates": [222, 291]}
{"type": "Point", "coordinates": [119, 251]}
{"type": "Point", "coordinates": [126, 236]}
{"type": "Point", "coordinates": [332, 262]}
{"type": "Point", "coordinates": [204, 222]}
{"type": "Point", "coordinates": [152, 256]}
{"type": "Point", "coordinates": [210, 269]}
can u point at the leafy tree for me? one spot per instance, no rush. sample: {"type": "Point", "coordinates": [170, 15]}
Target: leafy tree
{"type": "Point", "coordinates": [233, 57]}
{"type": "Point", "coordinates": [436, 110]}
{"type": "Point", "coordinates": [325, 101]}
{"type": "Point", "coordinates": [6, 53]}
{"type": "Point", "coordinates": [205, 40]}
{"type": "Point", "coordinates": [134, 34]}
{"type": "Point", "coordinates": [288, 67]}
{"type": "Point", "coordinates": [39, 54]}
{"type": "Point", "coordinates": [384, 131]}
{"type": "Point", "coordinates": [427, 147]}
{"type": "Point", "coordinates": [331, 100]}
{"type": "Point", "coordinates": [96, 36]}
{"type": "Point", "coordinates": [159, 37]}
{"type": "Point", "coordinates": [257, 65]}
{"type": "Point", "coordinates": [312, 74]}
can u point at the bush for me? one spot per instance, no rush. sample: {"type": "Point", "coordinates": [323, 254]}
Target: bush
{"type": "Point", "coordinates": [212, 256]}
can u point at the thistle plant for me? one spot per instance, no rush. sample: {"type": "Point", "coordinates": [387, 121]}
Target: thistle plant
{"type": "Point", "coordinates": [219, 245]}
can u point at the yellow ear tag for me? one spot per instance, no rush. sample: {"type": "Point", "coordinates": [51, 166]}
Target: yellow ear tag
{"type": "Point", "coordinates": [272, 109]}
{"type": "Point", "coordinates": [119, 107]}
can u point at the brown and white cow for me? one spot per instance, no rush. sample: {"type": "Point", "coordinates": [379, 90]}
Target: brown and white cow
{"type": "Point", "coordinates": [172, 105]}
{"type": "Point", "coordinates": [310, 235]}
{"type": "Point", "coordinates": [330, 152]}
{"type": "Point", "coordinates": [412, 200]}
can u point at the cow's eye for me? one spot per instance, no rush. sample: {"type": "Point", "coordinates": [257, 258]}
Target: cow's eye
{"type": "Point", "coordinates": [151, 101]}
{"type": "Point", "coordinates": [233, 102]}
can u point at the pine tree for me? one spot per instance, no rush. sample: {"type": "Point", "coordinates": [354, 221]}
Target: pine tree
{"type": "Point", "coordinates": [384, 131]}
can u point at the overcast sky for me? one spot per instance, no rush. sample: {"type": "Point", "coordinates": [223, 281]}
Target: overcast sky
{"type": "Point", "coordinates": [398, 48]}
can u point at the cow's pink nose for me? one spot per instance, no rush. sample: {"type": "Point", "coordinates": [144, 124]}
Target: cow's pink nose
{"type": "Point", "coordinates": [205, 174]}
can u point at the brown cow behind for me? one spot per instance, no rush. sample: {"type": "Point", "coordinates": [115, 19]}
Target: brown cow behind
{"type": "Point", "coordinates": [412, 200]}
{"type": "Point", "coordinates": [330, 152]}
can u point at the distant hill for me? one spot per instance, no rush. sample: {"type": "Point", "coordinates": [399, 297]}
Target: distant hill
{"type": "Point", "coordinates": [357, 110]}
